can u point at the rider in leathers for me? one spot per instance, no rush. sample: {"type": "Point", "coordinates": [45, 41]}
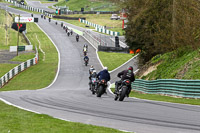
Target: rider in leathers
{"type": "Point", "coordinates": [126, 74]}
{"type": "Point", "coordinates": [104, 74]}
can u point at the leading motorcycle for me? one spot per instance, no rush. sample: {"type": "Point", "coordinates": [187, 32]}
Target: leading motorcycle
{"type": "Point", "coordinates": [123, 90]}
{"type": "Point", "coordinates": [101, 87]}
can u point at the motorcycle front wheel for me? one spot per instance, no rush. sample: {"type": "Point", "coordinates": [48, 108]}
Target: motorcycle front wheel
{"type": "Point", "coordinates": [93, 91]}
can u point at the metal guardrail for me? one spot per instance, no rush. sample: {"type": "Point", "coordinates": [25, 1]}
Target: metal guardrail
{"type": "Point", "coordinates": [99, 28]}
{"type": "Point", "coordinates": [173, 87]}
{"type": "Point", "coordinates": [16, 70]}
{"type": "Point", "coordinates": [91, 39]}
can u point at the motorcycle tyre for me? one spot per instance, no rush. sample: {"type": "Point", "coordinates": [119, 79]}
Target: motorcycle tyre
{"type": "Point", "coordinates": [123, 93]}
{"type": "Point", "coordinates": [100, 91]}
{"type": "Point", "coordinates": [93, 92]}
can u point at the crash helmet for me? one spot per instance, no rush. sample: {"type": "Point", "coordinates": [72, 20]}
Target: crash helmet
{"type": "Point", "coordinates": [130, 68]}
{"type": "Point", "coordinates": [105, 68]}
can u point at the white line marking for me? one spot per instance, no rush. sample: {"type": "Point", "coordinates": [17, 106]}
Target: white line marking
{"type": "Point", "coordinates": [18, 106]}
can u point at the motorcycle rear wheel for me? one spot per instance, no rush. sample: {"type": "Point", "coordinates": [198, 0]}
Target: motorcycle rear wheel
{"type": "Point", "coordinates": [123, 93]}
{"type": "Point", "coordinates": [100, 91]}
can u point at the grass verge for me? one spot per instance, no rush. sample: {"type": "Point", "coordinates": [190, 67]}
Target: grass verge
{"type": "Point", "coordinates": [100, 19]}
{"type": "Point", "coordinates": [113, 60]}
{"type": "Point", "coordinates": [100, 5]}
{"type": "Point", "coordinates": [42, 74]}
{"type": "Point", "coordinates": [11, 41]}
{"type": "Point", "coordinates": [22, 9]}
{"type": "Point", "coordinates": [12, 35]}
{"type": "Point", "coordinates": [15, 120]}
{"type": "Point", "coordinates": [185, 66]}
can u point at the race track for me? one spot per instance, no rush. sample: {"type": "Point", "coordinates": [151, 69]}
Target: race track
{"type": "Point", "coordinates": [69, 97]}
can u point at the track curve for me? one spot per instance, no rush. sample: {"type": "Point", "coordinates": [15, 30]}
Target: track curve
{"type": "Point", "coordinates": [69, 98]}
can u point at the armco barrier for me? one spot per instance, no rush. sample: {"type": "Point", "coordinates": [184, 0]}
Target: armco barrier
{"type": "Point", "coordinates": [173, 87]}
{"type": "Point", "coordinates": [105, 31]}
{"type": "Point", "coordinates": [100, 28]}
{"type": "Point", "coordinates": [9, 75]}
{"type": "Point", "coordinates": [91, 39]}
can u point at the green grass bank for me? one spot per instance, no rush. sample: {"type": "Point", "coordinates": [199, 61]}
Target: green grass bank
{"type": "Point", "coordinates": [113, 60]}
{"type": "Point", "coordinates": [88, 5]}
{"type": "Point", "coordinates": [42, 74]}
{"type": "Point", "coordinates": [15, 120]}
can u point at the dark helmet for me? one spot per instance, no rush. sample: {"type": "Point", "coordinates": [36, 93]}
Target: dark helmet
{"type": "Point", "coordinates": [130, 68]}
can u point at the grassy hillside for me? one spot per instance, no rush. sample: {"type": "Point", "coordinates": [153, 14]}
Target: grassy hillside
{"type": "Point", "coordinates": [11, 41]}
{"type": "Point", "coordinates": [6, 19]}
{"type": "Point", "coordinates": [97, 5]}
{"type": "Point", "coordinates": [169, 66]}
{"type": "Point", "coordinates": [101, 19]}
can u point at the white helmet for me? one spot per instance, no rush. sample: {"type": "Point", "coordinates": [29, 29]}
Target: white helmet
{"type": "Point", "coordinates": [105, 68]}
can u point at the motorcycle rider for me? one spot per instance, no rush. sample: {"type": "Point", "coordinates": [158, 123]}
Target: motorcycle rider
{"type": "Point", "coordinates": [77, 37]}
{"type": "Point", "coordinates": [91, 69]}
{"type": "Point", "coordinates": [85, 46]}
{"type": "Point", "coordinates": [71, 31]}
{"type": "Point", "coordinates": [92, 75]}
{"type": "Point", "coordinates": [86, 58]}
{"type": "Point", "coordinates": [84, 50]}
{"type": "Point", "coordinates": [126, 74]}
{"type": "Point", "coordinates": [68, 33]}
{"type": "Point", "coordinates": [104, 74]}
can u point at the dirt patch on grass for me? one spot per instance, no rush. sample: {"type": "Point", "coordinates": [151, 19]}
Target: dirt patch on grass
{"type": "Point", "coordinates": [146, 69]}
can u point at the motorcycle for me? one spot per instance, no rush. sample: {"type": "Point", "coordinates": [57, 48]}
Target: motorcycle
{"type": "Point", "coordinates": [123, 90]}
{"type": "Point", "coordinates": [85, 53]}
{"type": "Point", "coordinates": [77, 38]}
{"type": "Point", "coordinates": [93, 85]}
{"type": "Point", "coordinates": [86, 62]}
{"type": "Point", "coordinates": [101, 88]}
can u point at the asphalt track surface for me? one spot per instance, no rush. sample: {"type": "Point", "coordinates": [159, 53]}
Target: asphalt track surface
{"type": "Point", "coordinates": [68, 97]}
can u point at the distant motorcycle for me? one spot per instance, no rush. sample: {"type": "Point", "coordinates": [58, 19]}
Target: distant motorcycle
{"type": "Point", "coordinates": [93, 85]}
{"type": "Point", "coordinates": [123, 90]}
{"type": "Point", "coordinates": [86, 62]}
{"type": "Point", "coordinates": [101, 87]}
{"type": "Point", "coordinates": [77, 38]}
{"type": "Point", "coordinates": [85, 53]}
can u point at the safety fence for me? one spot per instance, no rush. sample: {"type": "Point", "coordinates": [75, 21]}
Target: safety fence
{"type": "Point", "coordinates": [100, 28]}
{"type": "Point", "coordinates": [103, 40]}
{"type": "Point", "coordinates": [105, 31]}
{"type": "Point", "coordinates": [91, 39]}
{"type": "Point", "coordinates": [16, 70]}
{"type": "Point", "coordinates": [172, 87]}
{"type": "Point", "coordinates": [30, 8]}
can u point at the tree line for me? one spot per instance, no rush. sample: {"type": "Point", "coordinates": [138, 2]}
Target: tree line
{"type": "Point", "coordinates": [160, 26]}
